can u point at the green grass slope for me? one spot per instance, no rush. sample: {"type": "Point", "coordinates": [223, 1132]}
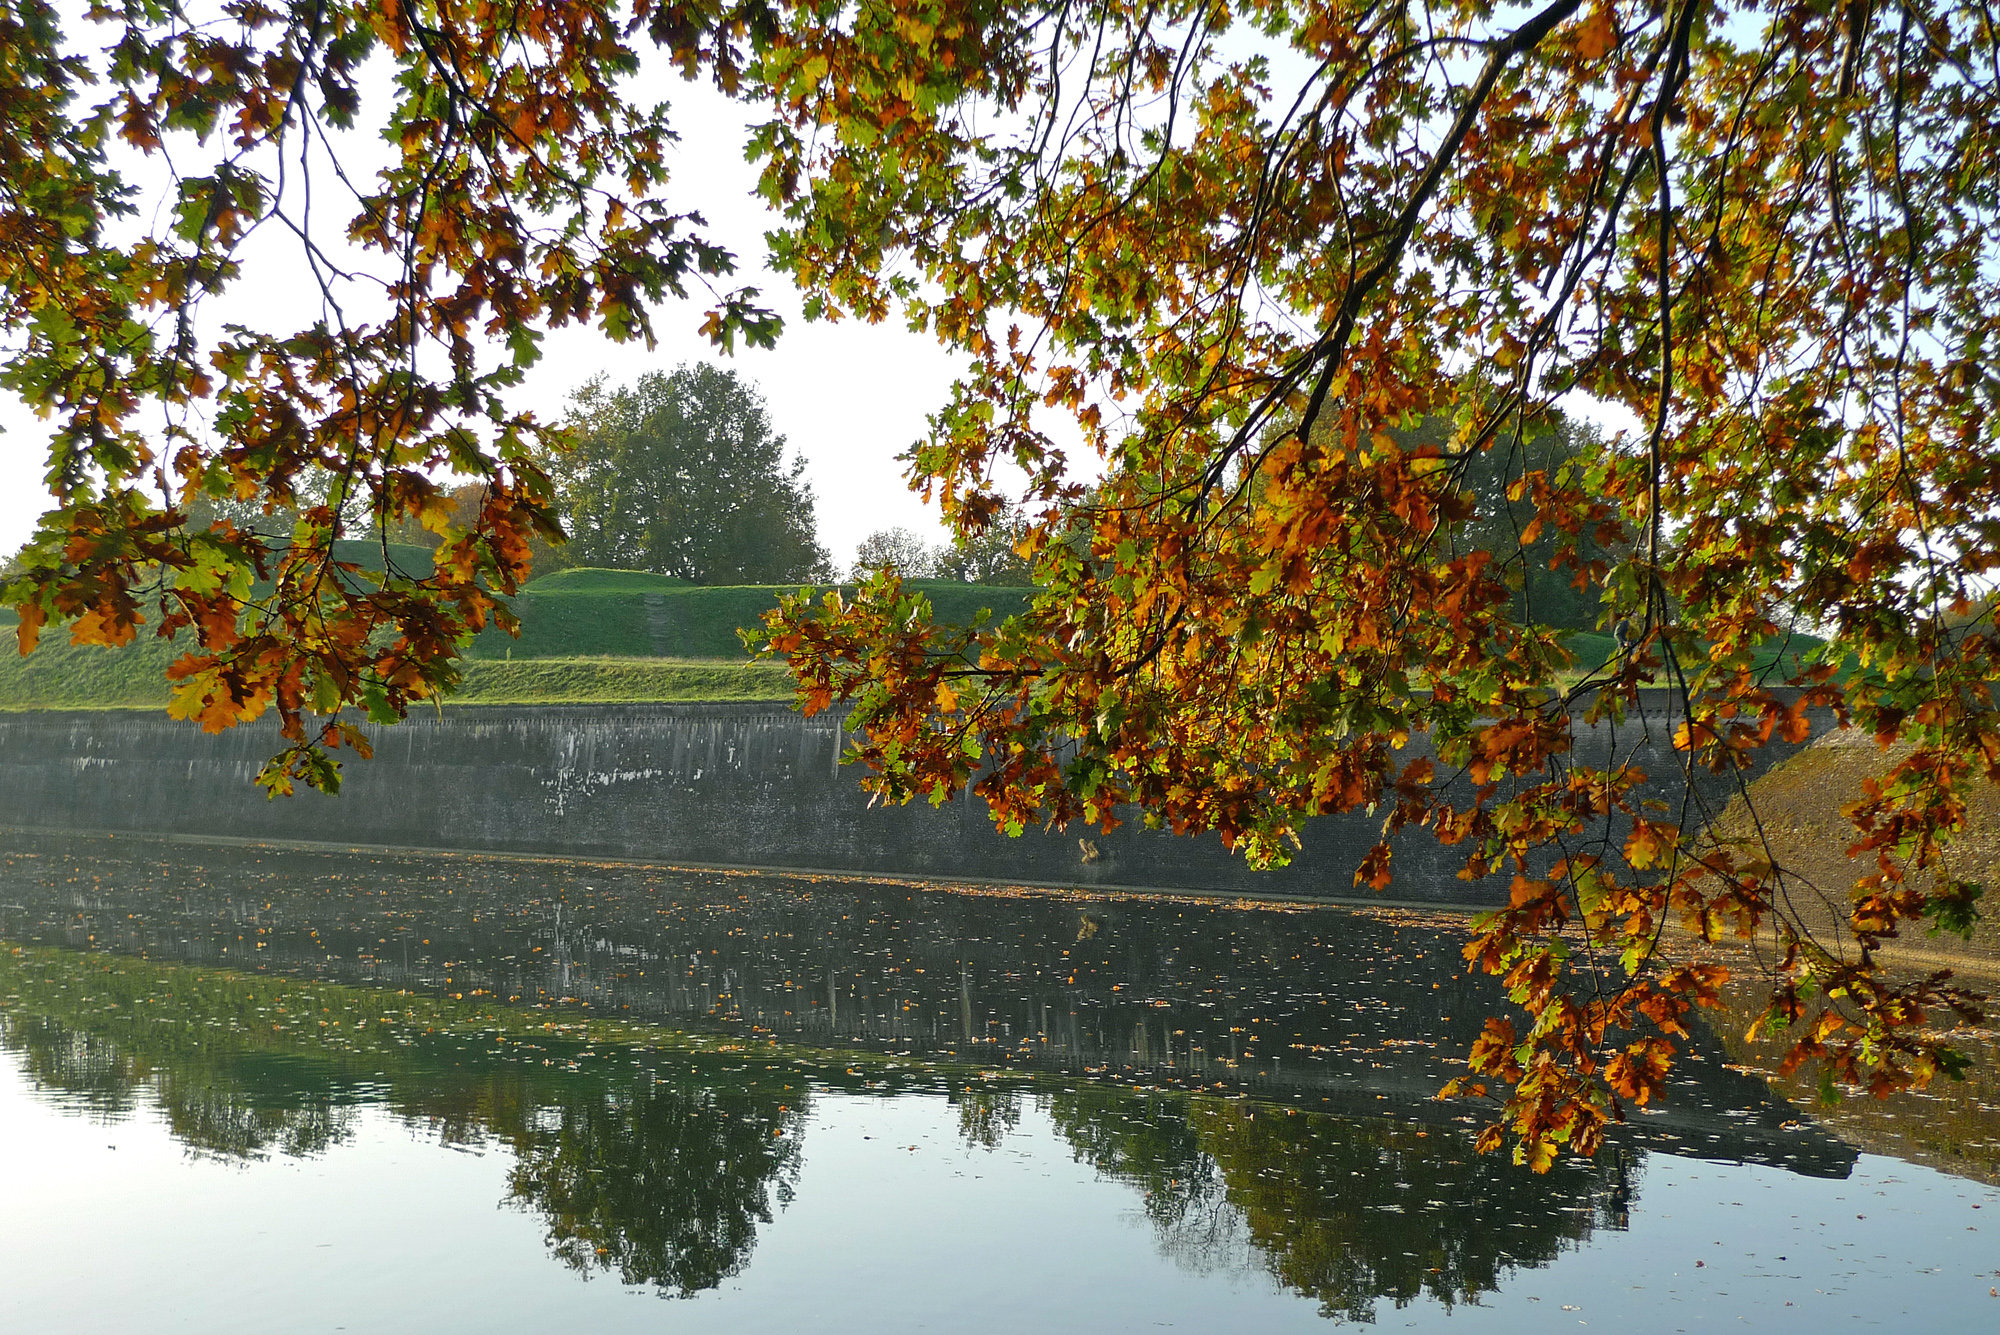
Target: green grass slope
{"type": "Point", "coordinates": [581, 625]}
{"type": "Point", "coordinates": [593, 579]}
{"type": "Point", "coordinates": [586, 635]}
{"type": "Point", "coordinates": [408, 558]}
{"type": "Point", "coordinates": [624, 613]}
{"type": "Point", "coordinates": [543, 681]}
{"type": "Point", "coordinates": [59, 675]}
{"type": "Point", "coordinates": [1594, 650]}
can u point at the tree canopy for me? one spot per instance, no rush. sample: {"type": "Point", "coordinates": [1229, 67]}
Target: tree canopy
{"type": "Point", "coordinates": [897, 549]}
{"type": "Point", "coordinates": [1229, 258]}
{"type": "Point", "coordinates": [1539, 564]}
{"type": "Point", "coordinates": [680, 474]}
{"type": "Point", "coordinates": [1247, 251]}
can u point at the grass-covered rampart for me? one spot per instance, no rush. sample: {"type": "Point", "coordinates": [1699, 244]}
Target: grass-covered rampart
{"type": "Point", "coordinates": [1795, 811]}
{"type": "Point", "coordinates": [587, 636]}
{"type": "Point", "coordinates": [64, 676]}
{"type": "Point", "coordinates": [627, 613]}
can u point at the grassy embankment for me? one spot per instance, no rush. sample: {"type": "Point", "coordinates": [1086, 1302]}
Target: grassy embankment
{"type": "Point", "coordinates": [587, 637]}
{"type": "Point", "coordinates": [628, 613]}
{"type": "Point", "coordinates": [1797, 807]}
{"type": "Point", "coordinates": [1594, 651]}
{"type": "Point", "coordinates": [1952, 1125]}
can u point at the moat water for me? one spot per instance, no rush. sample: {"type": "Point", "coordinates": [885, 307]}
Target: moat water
{"type": "Point", "coordinates": [252, 1089]}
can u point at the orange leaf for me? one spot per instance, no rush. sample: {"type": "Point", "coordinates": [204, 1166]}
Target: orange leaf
{"type": "Point", "coordinates": [1595, 35]}
{"type": "Point", "coordinates": [29, 633]}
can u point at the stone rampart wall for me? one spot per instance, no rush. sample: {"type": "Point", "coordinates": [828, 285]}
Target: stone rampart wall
{"type": "Point", "coordinates": [743, 784]}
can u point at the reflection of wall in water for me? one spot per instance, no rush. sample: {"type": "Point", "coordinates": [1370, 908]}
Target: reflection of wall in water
{"type": "Point", "coordinates": [1341, 1010]}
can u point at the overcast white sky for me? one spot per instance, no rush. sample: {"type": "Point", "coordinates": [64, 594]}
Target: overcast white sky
{"type": "Point", "coordinates": [848, 397]}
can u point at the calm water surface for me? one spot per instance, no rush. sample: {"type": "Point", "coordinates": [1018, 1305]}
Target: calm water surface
{"type": "Point", "coordinates": [257, 1090]}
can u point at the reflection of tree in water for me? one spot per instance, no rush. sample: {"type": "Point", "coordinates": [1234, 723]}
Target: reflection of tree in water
{"type": "Point", "coordinates": [659, 1167]}
{"type": "Point", "coordinates": [218, 1120]}
{"type": "Point", "coordinates": [656, 1167]}
{"type": "Point", "coordinates": [212, 1107]}
{"type": "Point", "coordinates": [94, 1072]}
{"type": "Point", "coordinates": [1325, 1007]}
{"type": "Point", "coordinates": [985, 1116]}
{"type": "Point", "coordinates": [1146, 1140]}
{"type": "Point", "coordinates": [662, 1181]}
{"type": "Point", "coordinates": [1348, 1212]}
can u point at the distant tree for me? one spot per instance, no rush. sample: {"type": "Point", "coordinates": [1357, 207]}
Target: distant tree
{"type": "Point", "coordinates": [1557, 578]}
{"type": "Point", "coordinates": [681, 474]}
{"type": "Point", "coordinates": [896, 549]}
{"type": "Point", "coordinates": [273, 518]}
{"type": "Point", "coordinates": [987, 557]}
